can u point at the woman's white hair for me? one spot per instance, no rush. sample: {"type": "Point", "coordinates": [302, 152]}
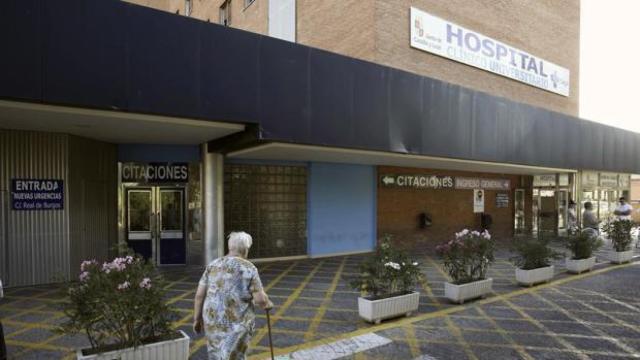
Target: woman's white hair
{"type": "Point", "coordinates": [239, 241]}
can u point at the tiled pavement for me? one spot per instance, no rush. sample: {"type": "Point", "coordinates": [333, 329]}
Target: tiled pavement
{"type": "Point", "coordinates": [314, 304]}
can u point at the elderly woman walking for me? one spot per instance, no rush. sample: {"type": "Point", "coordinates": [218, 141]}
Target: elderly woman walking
{"type": "Point", "coordinates": [224, 303]}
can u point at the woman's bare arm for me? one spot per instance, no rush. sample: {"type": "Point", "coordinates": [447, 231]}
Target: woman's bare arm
{"type": "Point", "coordinates": [197, 308]}
{"type": "Point", "coordinates": [261, 299]}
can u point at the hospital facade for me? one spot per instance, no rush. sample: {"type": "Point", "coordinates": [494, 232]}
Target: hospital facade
{"type": "Point", "coordinates": [316, 126]}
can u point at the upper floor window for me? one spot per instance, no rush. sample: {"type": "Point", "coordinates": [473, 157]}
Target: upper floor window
{"type": "Point", "coordinates": [225, 13]}
{"type": "Point", "coordinates": [187, 7]}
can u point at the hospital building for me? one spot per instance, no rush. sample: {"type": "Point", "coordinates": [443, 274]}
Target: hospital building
{"type": "Point", "coordinates": [318, 126]}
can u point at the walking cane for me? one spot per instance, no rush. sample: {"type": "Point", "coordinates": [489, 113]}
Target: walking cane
{"type": "Point", "coordinates": [269, 328]}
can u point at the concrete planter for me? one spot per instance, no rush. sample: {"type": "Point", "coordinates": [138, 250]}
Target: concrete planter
{"type": "Point", "coordinates": [534, 276]}
{"type": "Point", "coordinates": [176, 349]}
{"type": "Point", "coordinates": [619, 257]}
{"type": "Point", "coordinates": [461, 293]}
{"type": "Point", "coordinates": [582, 265]}
{"type": "Point", "coordinates": [378, 310]}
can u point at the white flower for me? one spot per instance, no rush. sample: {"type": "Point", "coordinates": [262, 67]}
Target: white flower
{"type": "Point", "coordinates": [392, 265]}
{"type": "Point", "coordinates": [415, 263]}
{"type": "Point", "coordinates": [124, 285]}
{"type": "Point", "coordinates": [145, 283]}
{"type": "Point", "coordinates": [84, 276]}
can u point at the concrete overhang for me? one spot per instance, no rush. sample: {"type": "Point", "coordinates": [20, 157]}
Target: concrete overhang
{"type": "Point", "coordinates": [112, 126]}
{"type": "Point", "coordinates": [305, 153]}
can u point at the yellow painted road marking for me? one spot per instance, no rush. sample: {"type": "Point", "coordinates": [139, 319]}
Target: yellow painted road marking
{"type": "Point", "coordinates": [544, 328]}
{"type": "Point", "coordinates": [519, 348]}
{"type": "Point", "coordinates": [315, 322]}
{"type": "Point", "coordinates": [439, 313]}
{"type": "Point", "coordinates": [603, 334]}
{"type": "Point", "coordinates": [294, 296]}
{"type": "Point", "coordinates": [411, 339]}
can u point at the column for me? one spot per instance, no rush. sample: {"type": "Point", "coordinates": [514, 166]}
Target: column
{"type": "Point", "coordinates": [213, 204]}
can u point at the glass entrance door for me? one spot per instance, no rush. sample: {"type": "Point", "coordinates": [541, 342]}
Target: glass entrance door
{"type": "Point", "coordinates": [562, 206]}
{"type": "Point", "coordinates": [156, 223]}
{"type": "Point", "coordinates": [171, 234]}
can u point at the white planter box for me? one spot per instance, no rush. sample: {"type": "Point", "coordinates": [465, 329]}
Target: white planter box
{"type": "Point", "coordinates": [461, 293]}
{"type": "Point", "coordinates": [579, 266]}
{"type": "Point", "coordinates": [534, 276]}
{"type": "Point", "coordinates": [378, 310]}
{"type": "Point", "coordinates": [620, 257]}
{"type": "Point", "coordinates": [177, 349]}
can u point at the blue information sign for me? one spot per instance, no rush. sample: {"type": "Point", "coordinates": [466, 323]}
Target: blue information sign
{"type": "Point", "coordinates": [37, 194]}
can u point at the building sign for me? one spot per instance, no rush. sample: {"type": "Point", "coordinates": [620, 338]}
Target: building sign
{"type": "Point", "coordinates": [487, 184]}
{"type": "Point", "coordinates": [37, 194]}
{"type": "Point", "coordinates": [437, 36]}
{"type": "Point", "coordinates": [478, 201]}
{"type": "Point", "coordinates": [589, 179]}
{"type": "Point", "coordinates": [623, 181]}
{"type": "Point", "coordinates": [502, 200]}
{"type": "Point", "coordinates": [417, 181]}
{"type": "Point", "coordinates": [155, 172]}
{"type": "Point", "coordinates": [609, 180]}
{"type": "Point", "coordinates": [544, 180]}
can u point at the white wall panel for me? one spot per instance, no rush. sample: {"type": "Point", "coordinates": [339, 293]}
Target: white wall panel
{"type": "Point", "coordinates": [282, 19]}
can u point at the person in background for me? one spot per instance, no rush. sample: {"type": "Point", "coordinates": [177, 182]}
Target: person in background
{"type": "Point", "coordinates": [224, 302]}
{"type": "Point", "coordinates": [623, 210]}
{"type": "Point", "coordinates": [589, 218]}
{"type": "Point", "coordinates": [572, 217]}
{"type": "Point", "coordinates": [3, 347]}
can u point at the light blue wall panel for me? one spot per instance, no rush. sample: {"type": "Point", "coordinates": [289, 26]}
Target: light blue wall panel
{"type": "Point", "coordinates": [341, 208]}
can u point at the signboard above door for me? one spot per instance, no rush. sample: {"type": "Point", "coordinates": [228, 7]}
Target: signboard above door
{"type": "Point", "coordinates": [155, 173]}
{"type": "Point", "coordinates": [444, 38]}
{"type": "Point", "coordinates": [424, 181]}
{"type": "Point", "coordinates": [37, 194]}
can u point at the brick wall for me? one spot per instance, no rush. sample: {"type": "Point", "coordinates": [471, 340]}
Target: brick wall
{"type": "Point", "coordinates": [546, 29]}
{"type": "Point", "coordinates": [345, 26]}
{"type": "Point", "coordinates": [251, 18]}
{"type": "Point", "coordinates": [451, 210]}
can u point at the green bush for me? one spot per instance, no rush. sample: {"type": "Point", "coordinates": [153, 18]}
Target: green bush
{"type": "Point", "coordinates": [118, 304]}
{"type": "Point", "coordinates": [388, 272]}
{"type": "Point", "coordinates": [619, 232]}
{"type": "Point", "coordinates": [467, 257]}
{"type": "Point", "coordinates": [533, 254]}
{"type": "Point", "coordinates": [582, 245]}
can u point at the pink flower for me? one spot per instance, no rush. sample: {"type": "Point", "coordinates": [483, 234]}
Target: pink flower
{"type": "Point", "coordinates": [125, 285]}
{"type": "Point", "coordinates": [145, 283]}
{"type": "Point", "coordinates": [84, 276]}
{"type": "Point", "coordinates": [86, 263]}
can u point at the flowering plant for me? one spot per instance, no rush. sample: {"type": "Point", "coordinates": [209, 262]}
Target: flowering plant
{"type": "Point", "coordinates": [533, 254]}
{"type": "Point", "coordinates": [619, 231]}
{"type": "Point", "coordinates": [387, 273]}
{"type": "Point", "coordinates": [118, 304]}
{"type": "Point", "coordinates": [467, 257]}
{"type": "Point", "coordinates": [583, 244]}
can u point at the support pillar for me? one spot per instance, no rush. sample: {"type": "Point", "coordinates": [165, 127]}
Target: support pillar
{"type": "Point", "coordinates": [213, 204]}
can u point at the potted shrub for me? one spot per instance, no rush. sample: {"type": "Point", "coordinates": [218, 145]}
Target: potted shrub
{"type": "Point", "coordinates": [533, 261]}
{"type": "Point", "coordinates": [619, 232]}
{"type": "Point", "coordinates": [582, 245]}
{"type": "Point", "coordinates": [388, 280]}
{"type": "Point", "coordinates": [467, 258]}
{"type": "Point", "coordinates": [120, 307]}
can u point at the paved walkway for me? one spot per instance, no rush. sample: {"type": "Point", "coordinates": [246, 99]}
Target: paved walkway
{"type": "Point", "coordinates": [314, 305]}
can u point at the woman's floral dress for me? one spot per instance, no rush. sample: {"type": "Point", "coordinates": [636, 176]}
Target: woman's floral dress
{"type": "Point", "coordinates": [228, 314]}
